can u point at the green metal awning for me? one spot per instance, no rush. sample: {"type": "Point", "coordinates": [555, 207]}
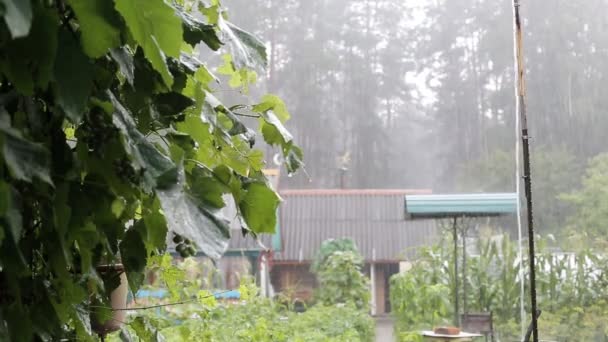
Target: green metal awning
{"type": "Point", "coordinates": [459, 205]}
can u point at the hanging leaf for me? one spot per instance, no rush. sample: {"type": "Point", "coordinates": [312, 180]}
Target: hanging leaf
{"type": "Point", "coordinates": [196, 31]}
{"type": "Point", "coordinates": [100, 26]}
{"type": "Point", "coordinates": [205, 226]}
{"type": "Point", "coordinates": [154, 229]}
{"type": "Point", "coordinates": [172, 104]}
{"type": "Point", "coordinates": [246, 49]}
{"type": "Point", "coordinates": [133, 256]}
{"type": "Point", "coordinates": [159, 170]}
{"type": "Point", "coordinates": [274, 103]}
{"type": "Point", "coordinates": [155, 27]}
{"type": "Point", "coordinates": [124, 59]}
{"type": "Point", "coordinates": [294, 159]}
{"type": "Point", "coordinates": [206, 188]}
{"type": "Point", "coordinates": [26, 160]}
{"type": "Point", "coordinates": [31, 59]}
{"type": "Point", "coordinates": [145, 330]}
{"type": "Point", "coordinates": [11, 215]}
{"type": "Point", "coordinates": [273, 130]}
{"type": "Point", "coordinates": [18, 17]}
{"type": "Point", "coordinates": [259, 208]}
{"type": "Point", "coordinates": [73, 76]}
{"type": "Point", "coordinates": [273, 114]}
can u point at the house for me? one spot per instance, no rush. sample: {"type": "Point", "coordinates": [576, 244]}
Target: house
{"type": "Point", "coordinates": [373, 219]}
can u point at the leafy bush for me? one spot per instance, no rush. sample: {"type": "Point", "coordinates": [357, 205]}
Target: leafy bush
{"type": "Point", "coordinates": [420, 298]}
{"type": "Point", "coordinates": [341, 281]}
{"type": "Point", "coordinates": [200, 317]}
{"type": "Point", "coordinates": [329, 247]}
{"type": "Point", "coordinates": [111, 136]}
{"type": "Point", "coordinates": [571, 290]}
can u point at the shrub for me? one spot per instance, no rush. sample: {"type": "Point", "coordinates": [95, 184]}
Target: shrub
{"type": "Point", "coordinates": [341, 281]}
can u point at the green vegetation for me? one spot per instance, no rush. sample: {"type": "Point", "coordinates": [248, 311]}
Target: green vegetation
{"type": "Point", "coordinates": [571, 291]}
{"type": "Point", "coordinates": [588, 227]}
{"type": "Point", "coordinates": [111, 137]}
{"type": "Point", "coordinates": [571, 286]}
{"type": "Point", "coordinates": [339, 275]}
{"type": "Point", "coordinates": [329, 247]}
{"type": "Point", "coordinates": [200, 317]}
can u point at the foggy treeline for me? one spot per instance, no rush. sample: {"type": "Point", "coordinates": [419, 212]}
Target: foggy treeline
{"type": "Point", "coordinates": [419, 94]}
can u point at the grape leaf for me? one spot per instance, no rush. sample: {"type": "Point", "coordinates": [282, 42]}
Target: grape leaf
{"type": "Point", "coordinates": [205, 187]}
{"type": "Point", "coordinates": [145, 330]}
{"type": "Point", "coordinates": [159, 170]}
{"type": "Point", "coordinates": [273, 130]}
{"type": "Point", "coordinates": [155, 229]}
{"type": "Point", "coordinates": [259, 208]}
{"type": "Point", "coordinates": [156, 28]}
{"type": "Point", "coordinates": [73, 77]}
{"type": "Point", "coordinates": [26, 160]}
{"type": "Point", "coordinates": [18, 17]}
{"type": "Point", "coordinates": [204, 225]}
{"type": "Point", "coordinates": [124, 59]}
{"type": "Point", "coordinates": [196, 31]}
{"type": "Point", "coordinates": [274, 103]}
{"type": "Point", "coordinates": [133, 255]}
{"type": "Point", "coordinates": [31, 59]}
{"type": "Point", "coordinates": [246, 49]}
{"type": "Point", "coordinates": [99, 24]}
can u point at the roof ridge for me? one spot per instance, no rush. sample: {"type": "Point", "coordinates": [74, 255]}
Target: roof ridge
{"type": "Point", "coordinates": [329, 192]}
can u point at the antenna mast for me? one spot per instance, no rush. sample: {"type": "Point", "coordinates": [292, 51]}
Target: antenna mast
{"type": "Point", "coordinates": [521, 98]}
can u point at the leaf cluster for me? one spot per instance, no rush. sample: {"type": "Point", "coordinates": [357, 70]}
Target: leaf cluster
{"type": "Point", "coordinates": [341, 280]}
{"type": "Point", "coordinates": [110, 137]}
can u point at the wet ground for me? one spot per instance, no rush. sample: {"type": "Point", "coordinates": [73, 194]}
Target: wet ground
{"type": "Point", "coordinates": [384, 329]}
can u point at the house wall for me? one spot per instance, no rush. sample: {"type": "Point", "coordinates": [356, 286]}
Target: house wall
{"type": "Point", "coordinates": [380, 294]}
{"type": "Point", "coordinates": [294, 280]}
{"type": "Point", "coordinates": [232, 269]}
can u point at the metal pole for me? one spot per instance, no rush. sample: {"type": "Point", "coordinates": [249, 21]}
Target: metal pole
{"type": "Point", "coordinates": [456, 309]}
{"type": "Point", "coordinates": [526, 160]}
{"type": "Point", "coordinates": [464, 268]}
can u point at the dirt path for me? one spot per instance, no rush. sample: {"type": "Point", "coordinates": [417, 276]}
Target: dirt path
{"type": "Point", "coordinates": [384, 329]}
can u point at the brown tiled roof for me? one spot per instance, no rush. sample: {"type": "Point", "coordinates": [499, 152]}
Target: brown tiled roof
{"type": "Point", "coordinates": [374, 219]}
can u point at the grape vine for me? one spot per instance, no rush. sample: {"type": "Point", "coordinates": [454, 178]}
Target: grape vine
{"type": "Point", "coordinates": [112, 144]}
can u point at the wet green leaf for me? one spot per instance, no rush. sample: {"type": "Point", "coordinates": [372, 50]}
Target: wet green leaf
{"type": "Point", "coordinates": [204, 225]}
{"type": "Point", "coordinates": [247, 50]}
{"type": "Point", "coordinates": [31, 60]}
{"type": "Point", "coordinates": [259, 208]}
{"type": "Point", "coordinates": [73, 77]}
{"type": "Point", "coordinates": [124, 59]}
{"type": "Point", "coordinates": [26, 160]}
{"type": "Point", "coordinates": [18, 17]}
{"type": "Point", "coordinates": [156, 28]}
{"type": "Point", "coordinates": [133, 256]}
{"type": "Point", "coordinates": [172, 104]}
{"type": "Point", "coordinates": [273, 130]}
{"type": "Point", "coordinates": [99, 24]}
{"type": "Point", "coordinates": [196, 31]}
{"type": "Point", "coordinates": [146, 331]}
{"type": "Point", "coordinates": [155, 229]}
{"type": "Point", "coordinates": [206, 188]}
{"type": "Point", "coordinates": [159, 171]}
